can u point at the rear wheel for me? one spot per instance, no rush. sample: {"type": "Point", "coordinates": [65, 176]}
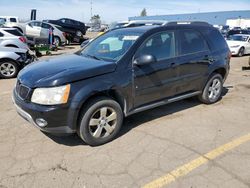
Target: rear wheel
{"type": "Point", "coordinates": [241, 52]}
{"type": "Point", "coordinates": [57, 41]}
{"type": "Point", "coordinates": [100, 121]}
{"type": "Point", "coordinates": [8, 69]}
{"type": "Point", "coordinates": [213, 89]}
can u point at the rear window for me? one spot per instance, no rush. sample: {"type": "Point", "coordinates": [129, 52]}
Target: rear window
{"type": "Point", "coordinates": [1, 34]}
{"type": "Point", "coordinates": [13, 20]}
{"type": "Point", "coordinates": [191, 41]}
{"type": "Point", "coordinates": [216, 40]}
{"type": "Point", "coordinates": [14, 32]}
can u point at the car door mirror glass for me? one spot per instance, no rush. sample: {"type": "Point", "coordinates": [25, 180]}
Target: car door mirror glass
{"type": "Point", "coordinates": [145, 59]}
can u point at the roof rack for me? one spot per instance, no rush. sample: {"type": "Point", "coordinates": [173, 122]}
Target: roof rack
{"type": "Point", "coordinates": [199, 23]}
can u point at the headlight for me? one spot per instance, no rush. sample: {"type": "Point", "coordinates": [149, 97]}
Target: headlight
{"type": "Point", "coordinates": [51, 96]}
{"type": "Point", "coordinates": [235, 46]}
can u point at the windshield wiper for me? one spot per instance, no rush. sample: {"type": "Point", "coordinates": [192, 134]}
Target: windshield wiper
{"type": "Point", "coordinates": [92, 56]}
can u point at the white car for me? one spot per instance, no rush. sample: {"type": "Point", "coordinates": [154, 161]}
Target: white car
{"type": "Point", "coordinates": [239, 44]}
{"type": "Point", "coordinates": [12, 60]}
{"type": "Point", "coordinates": [38, 29]}
{"type": "Point", "coordinates": [11, 37]}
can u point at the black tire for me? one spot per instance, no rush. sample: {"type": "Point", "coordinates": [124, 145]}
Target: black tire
{"type": "Point", "coordinates": [241, 52]}
{"type": "Point", "coordinates": [90, 112]}
{"type": "Point", "coordinates": [13, 69]}
{"type": "Point", "coordinates": [57, 41]}
{"type": "Point", "coordinates": [206, 96]}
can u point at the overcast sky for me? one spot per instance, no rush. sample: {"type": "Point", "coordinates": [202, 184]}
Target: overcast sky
{"type": "Point", "coordinates": [114, 10]}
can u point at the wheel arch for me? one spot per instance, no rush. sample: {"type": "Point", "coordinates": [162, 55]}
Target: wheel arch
{"type": "Point", "coordinates": [109, 93]}
{"type": "Point", "coordinates": [222, 71]}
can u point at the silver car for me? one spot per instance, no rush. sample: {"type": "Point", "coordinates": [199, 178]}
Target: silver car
{"type": "Point", "coordinates": [38, 29]}
{"type": "Point", "coordinates": [12, 60]}
{"type": "Point", "coordinates": [10, 37]}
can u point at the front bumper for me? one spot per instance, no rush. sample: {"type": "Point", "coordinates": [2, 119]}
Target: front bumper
{"type": "Point", "coordinates": [234, 51]}
{"type": "Point", "coordinates": [57, 122]}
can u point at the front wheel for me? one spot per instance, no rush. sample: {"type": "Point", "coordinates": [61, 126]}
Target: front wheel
{"type": "Point", "coordinates": [241, 52]}
{"type": "Point", "coordinates": [213, 89]}
{"type": "Point", "coordinates": [100, 122]}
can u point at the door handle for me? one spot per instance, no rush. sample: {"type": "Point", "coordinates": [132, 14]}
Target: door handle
{"type": "Point", "coordinates": [209, 59]}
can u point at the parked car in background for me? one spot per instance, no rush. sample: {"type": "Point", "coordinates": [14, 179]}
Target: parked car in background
{"type": "Point", "coordinates": [12, 60]}
{"type": "Point", "coordinates": [122, 72]}
{"type": "Point", "coordinates": [38, 29]}
{"type": "Point", "coordinates": [11, 37]}
{"type": "Point", "coordinates": [238, 31]}
{"type": "Point", "coordinates": [75, 29]}
{"type": "Point", "coordinates": [239, 44]}
{"type": "Point", "coordinates": [2, 22]}
{"type": "Point", "coordinates": [11, 21]}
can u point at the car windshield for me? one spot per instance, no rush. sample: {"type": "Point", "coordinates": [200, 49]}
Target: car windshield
{"type": "Point", "coordinates": [111, 46]}
{"type": "Point", "coordinates": [238, 38]}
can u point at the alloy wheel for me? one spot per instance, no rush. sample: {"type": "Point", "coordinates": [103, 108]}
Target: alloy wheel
{"type": "Point", "coordinates": [214, 89]}
{"type": "Point", "coordinates": [103, 122]}
{"type": "Point", "coordinates": [7, 69]}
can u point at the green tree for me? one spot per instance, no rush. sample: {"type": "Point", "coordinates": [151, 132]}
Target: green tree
{"type": "Point", "coordinates": [96, 21]}
{"type": "Point", "coordinates": [144, 12]}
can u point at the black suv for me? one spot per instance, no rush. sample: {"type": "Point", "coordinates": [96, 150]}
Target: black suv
{"type": "Point", "coordinates": [120, 73]}
{"type": "Point", "coordinates": [74, 29]}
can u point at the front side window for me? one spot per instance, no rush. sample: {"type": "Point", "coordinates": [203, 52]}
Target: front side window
{"type": "Point", "coordinates": [161, 46]}
{"type": "Point", "coordinates": [111, 46]}
{"type": "Point", "coordinates": [191, 42]}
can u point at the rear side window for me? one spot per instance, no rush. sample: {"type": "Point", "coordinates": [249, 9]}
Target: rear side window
{"type": "Point", "coordinates": [14, 32]}
{"type": "Point", "coordinates": [1, 34]}
{"type": "Point", "coordinates": [160, 45]}
{"type": "Point", "coordinates": [191, 41]}
{"type": "Point", "coordinates": [216, 40]}
{"type": "Point", "coordinates": [13, 20]}
{"type": "Point", "coordinates": [46, 26]}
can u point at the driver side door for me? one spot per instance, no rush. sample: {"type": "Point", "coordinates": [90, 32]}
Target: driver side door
{"type": "Point", "coordinates": [156, 81]}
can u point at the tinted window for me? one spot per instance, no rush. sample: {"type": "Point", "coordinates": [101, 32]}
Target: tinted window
{"type": "Point", "coordinates": [191, 42]}
{"type": "Point", "coordinates": [216, 40]}
{"type": "Point", "coordinates": [13, 20]}
{"type": "Point", "coordinates": [14, 32]}
{"type": "Point", "coordinates": [161, 45]}
{"type": "Point", "coordinates": [45, 26]}
{"type": "Point", "coordinates": [1, 34]}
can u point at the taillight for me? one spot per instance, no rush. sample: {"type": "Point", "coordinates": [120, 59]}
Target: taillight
{"type": "Point", "coordinates": [23, 39]}
{"type": "Point", "coordinates": [64, 34]}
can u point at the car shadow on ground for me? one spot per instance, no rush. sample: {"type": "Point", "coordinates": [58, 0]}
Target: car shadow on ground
{"type": "Point", "coordinates": [138, 119]}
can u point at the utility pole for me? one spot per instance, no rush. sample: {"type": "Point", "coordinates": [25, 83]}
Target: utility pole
{"type": "Point", "coordinates": [91, 9]}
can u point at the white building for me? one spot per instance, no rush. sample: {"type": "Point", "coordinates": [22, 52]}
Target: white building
{"type": "Point", "coordinates": [239, 22]}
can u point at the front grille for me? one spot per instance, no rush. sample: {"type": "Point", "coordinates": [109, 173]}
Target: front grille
{"type": "Point", "coordinates": [22, 91]}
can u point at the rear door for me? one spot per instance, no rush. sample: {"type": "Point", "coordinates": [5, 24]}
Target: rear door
{"type": "Point", "coordinates": [156, 81]}
{"type": "Point", "coordinates": [44, 33]}
{"type": "Point", "coordinates": [194, 59]}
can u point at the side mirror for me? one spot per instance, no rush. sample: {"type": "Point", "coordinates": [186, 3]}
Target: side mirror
{"type": "Point", "coordinates": [145, 59]}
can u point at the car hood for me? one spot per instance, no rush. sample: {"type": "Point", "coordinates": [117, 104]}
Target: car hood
{"type": "Point", "coordinates": [235, 43]}
{"type": "Point", "coordinates": [63, 70]}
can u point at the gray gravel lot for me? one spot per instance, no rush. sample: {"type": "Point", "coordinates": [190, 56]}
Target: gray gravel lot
{"type": "Point", "coordinates": [151, 144]}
